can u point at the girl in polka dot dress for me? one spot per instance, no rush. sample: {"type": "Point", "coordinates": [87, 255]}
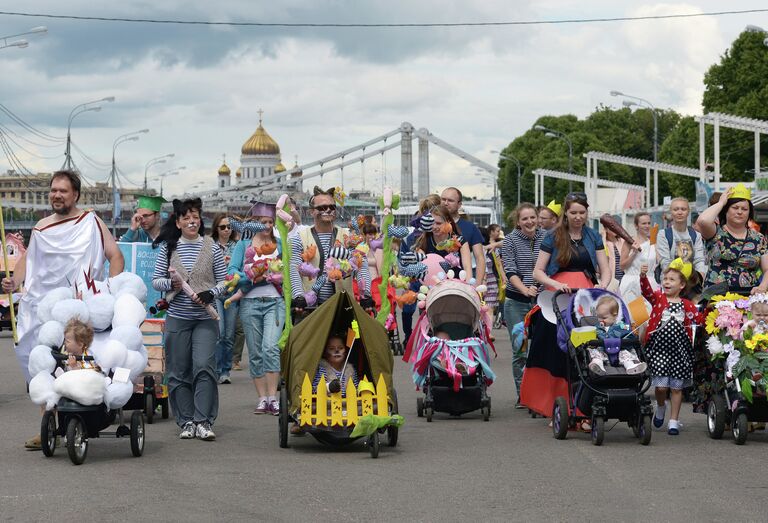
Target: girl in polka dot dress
{"type": "Point", "coordinates": [669, 339]}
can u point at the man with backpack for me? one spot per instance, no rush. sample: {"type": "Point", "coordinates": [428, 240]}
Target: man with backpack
{"type": "Point", "coordinates": [680, 240]}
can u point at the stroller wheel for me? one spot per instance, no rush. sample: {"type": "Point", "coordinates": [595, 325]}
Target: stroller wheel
{"type": "Point", "coordinates": [644, 431]}
{"type": "Point", "coordinates": [164, 408]}
{"type": "Point", "coordinates": [716, 414]}
{"type": "Point", "coordinates": [374, 444]}
{"type": "Point", "coordinates": [598, 431]}
{"type": "Point", "coordinates": [48, 433]}
{"type": "Point", "coordinates": [149, 407]}
{"type": "Point", "coordinates": [77, 441]}
{"type": "Point", "coordinates": [740, 429]}
{"type": "Point", "coordinates": [137, 433]}
{"type": "Point", "coordinates": [486, 412]}
{"type": "Point", "coordinates": [428, 412]}
{"type": "Point", "coordinates": [392, 433]}
{"type": "Point", "coordinates": [560, 418]}
{"type": "Point", "coordinates": [283, 418]}
{"type": "Point", "coordinates": [420, 407]}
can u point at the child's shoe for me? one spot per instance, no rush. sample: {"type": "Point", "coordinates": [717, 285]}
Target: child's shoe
{"type": "Point", "coordinates": [597, 367]}
{"type": "Point", "coordinates": [673, 429]}
{"type": "Point", "coordinates": [658, 418]}
{"type": "Point", "coordinates": [631, 363]}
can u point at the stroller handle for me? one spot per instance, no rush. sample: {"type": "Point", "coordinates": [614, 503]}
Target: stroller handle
{"type": "Point", "coordinates": [58, 356]}
{"type": "Point", "coordinates": [600, 344]}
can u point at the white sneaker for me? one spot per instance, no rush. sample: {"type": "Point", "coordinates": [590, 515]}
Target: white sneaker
{"type": "Point", "coordinates": [635, 366]}
{"type": "Point", "coordinates": [596, 366]}
{"type": "Point", "coordinates": [187, 431]}
{"type": "Point", "coordinates": [204, 431]}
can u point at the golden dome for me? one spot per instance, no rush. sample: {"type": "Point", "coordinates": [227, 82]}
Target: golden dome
{"type": "Point", "coordinates": [224, 170]}
{"type": "Point", "coordinates": [260, 142]}
{"type": "Point", "coordinates": [280, 168]}
{"type": "Point", "coordinates": [239, 172]}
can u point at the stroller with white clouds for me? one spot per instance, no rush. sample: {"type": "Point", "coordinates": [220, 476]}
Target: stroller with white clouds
{"type": "Point", "coordinates": [451, 352]}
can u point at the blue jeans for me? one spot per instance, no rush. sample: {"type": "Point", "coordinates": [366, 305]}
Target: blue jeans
{"type": "Point", "coordinates": [263, 320]}
{"type": "Point", "coordinates": [514, 312]}
{"type": "Point", "coordinates": [227, 320]}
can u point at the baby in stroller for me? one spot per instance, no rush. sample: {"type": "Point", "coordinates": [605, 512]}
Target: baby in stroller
{"type": "Point", "coordinates": [78, 337]}
{"type": "Point", "coordinates": [334, 366]}
{"type": "Point", "coordinates": [610, 327]}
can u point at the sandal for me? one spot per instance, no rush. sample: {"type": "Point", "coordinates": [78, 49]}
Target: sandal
{"type": "Point", "coordinates": [584, 426]}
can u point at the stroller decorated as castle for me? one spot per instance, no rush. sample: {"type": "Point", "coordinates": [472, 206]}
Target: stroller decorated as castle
{"type": "Point", "coordinates": [450, 350]}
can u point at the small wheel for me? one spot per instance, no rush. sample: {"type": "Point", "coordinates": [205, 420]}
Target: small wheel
{"type": "Point", "coordinates": [374, 444]}
{"type": "Point", "coordinates": [598, 430]}
{"type": "Point", "coordinates": [77, 441]}
{"type": "Point", "coordinates": [164, 408]}
{"type": "Point", "coordinates": [740, 429]}
{"type": "Point", "coordinates": [716, 414]}
{"type": "Point", "coordinates": [560, 418]}
{"type": "Point", "coordinates": [149, 407]}
{"type": "Point", "coordinates": [137, 433]}
{"type": "Point", "coordinates": [428, 412]}
{"type": "Point", "coordinates": [48, 433]}
{"type": "Point", "coordinates": [486, 412]}
{"type": "Point", "coordinates": [644, 431]}
{"type": "Point", "coordinates": [392, 434]}
{"type": "Point", "coordinates": [635, 428]}
{"type": "Point", "coordinates": [400, 349]}
{"type": "Point", "coordinates": [420, 407]}
{"type": "Point", "coordinates": [283, 418]}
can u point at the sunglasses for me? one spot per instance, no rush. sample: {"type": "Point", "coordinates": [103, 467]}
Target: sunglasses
{"type": "Point", "coordinates": [576, 196]}
{"type": "Point", "coordinates": [224, 227]}
{"type": "Point", "coordinates": [324, 208]}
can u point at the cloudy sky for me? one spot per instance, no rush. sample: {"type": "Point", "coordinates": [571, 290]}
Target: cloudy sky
{"type": "Point", "coordinates": [198, 88]}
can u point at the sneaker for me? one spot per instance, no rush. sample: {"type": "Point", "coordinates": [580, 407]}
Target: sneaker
{"type": "Point", "coordinates": [673, 429]}
{"type": "Point", "coordinates": [658, 422]}
{"type": "Point", "coordinates": [520, 406]}
{"type": "Point", "coordinates": [34, 443]}
{"type": "Point", "coordinates": [635, 367]}
{"type": "Point", "coordinates": [205, 432]}
{"type": "Point", "coordinates": [187, 431]}
{"type": "Point", "coordinates": [596, 366]}
{"type": "Point", "coordinates": [262, 407]}
{"type": "Point", "coordinates": [273, 408]}
{"type": "Point", "coordinates": [236, 366]}
{"type": "Point", "coordinates": [224, 379]}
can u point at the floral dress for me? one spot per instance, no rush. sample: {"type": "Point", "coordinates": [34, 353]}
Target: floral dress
{"type": "Point", "coordinates": [735, 261]}
{"type": "Point", "coordinates": [670, 352]}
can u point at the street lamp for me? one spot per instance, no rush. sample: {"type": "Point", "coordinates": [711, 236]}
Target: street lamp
{"type": "Point", "coordinates": [169, 172]}
{"type": "Point", "coordinates": [488, 177]}
{"type": "Point", "coordinates": [78, 110]}
{"type": "Point", "coordinates": [155, 161]}
{"type": "Point", "coordinates": [511, 158]}
{"type": "Point", "coordinates": [551, 133]}
{"type": "Point", "coordinates": [128, 137]}
{"type": "Point", "coordinates": [757, 29]}
{"type": "Point", "coordinates": [21, 43]}
{"type": "Point", "coordinates": [649, 105]}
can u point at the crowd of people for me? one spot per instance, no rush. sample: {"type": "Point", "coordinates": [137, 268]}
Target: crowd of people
{"type": "Point", "coordinates": [236, 270]}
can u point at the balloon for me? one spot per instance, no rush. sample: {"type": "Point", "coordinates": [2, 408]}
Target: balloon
{"type": "Point", "coordinates": [432, 261]}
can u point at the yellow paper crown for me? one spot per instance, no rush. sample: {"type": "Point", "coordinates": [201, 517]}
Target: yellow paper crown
{"type": "Point", "coordinates": [555, 207]}
{"type": "Point", "coordinates": [741, 191]}
{"type": "Point", "coordinates": [684, 267]}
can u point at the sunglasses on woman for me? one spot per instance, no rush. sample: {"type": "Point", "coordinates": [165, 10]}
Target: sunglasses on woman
{"type": "Point", "coordinates": [324, 208]}
{"type": "Point", "coordinates": [225, 227]}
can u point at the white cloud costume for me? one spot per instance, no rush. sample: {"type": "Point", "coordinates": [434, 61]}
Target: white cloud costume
{"type": "Point", "coordinates": [60, 254]}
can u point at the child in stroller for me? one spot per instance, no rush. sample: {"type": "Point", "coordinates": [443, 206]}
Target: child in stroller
{"type": "Point", "coordinates": [611, 327]}
{"type": "Point", "coordinates": [78, 337]}
{"type": "Point", "coordinates": [334, 366]}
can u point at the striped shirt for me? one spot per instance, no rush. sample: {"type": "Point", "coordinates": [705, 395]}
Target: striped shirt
{"type": "Point", "coordinates": [328, 289]}
{"type": "Point", "coordinates": [322, 370]}
{"type": "Point", "coordinates": [518, 256]}
{"type": "Point", "coordinates": [182, 306]}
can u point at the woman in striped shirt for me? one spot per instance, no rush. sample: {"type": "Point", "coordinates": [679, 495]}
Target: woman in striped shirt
{"type": "Point", "coordinates": [519, 251]}
{"type": "Point", "coordinates": [190, 333]}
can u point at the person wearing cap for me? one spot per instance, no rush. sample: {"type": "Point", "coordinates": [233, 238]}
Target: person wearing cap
{"type": "Point", "coordinates": [736, 252]}
{"type": "Point", "coordinates": [451, 198]}
{"type": "Point", "coordinates": [323, 240]}
{"type": "Point", "coordinates": [145, 223]}
{"type": "Point", "coordinates": [262, 309]}
{"type": "Point", "coordinates": [549, 215]}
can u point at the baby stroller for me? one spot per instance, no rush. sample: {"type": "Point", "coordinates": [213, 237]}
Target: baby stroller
{"type": "Point", "coordinates": [454, 373]}
{"type": "Point", "coordinates": [331, 417]}
{"type": "Point", "coordinates": [615, 395]}
{"type": "Point", "coordinates": [151, 390]}
{"type": "Point", "coordinates": [79, 422]}
{"type": "Point", "coordinates": [731, 407]}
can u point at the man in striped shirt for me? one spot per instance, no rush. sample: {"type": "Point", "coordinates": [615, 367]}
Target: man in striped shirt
{"type": "Point", "coordinates": [324, 235]}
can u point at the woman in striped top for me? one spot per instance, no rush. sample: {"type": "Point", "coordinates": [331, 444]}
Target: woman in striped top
{"type": "Point", "coordinates": [519, 251]}
{"type": "Point", "coordinates": [190, 333]}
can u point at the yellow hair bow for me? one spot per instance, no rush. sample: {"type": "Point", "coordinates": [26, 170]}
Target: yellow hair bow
{"type": "Point", "coordinates": [684, 267]}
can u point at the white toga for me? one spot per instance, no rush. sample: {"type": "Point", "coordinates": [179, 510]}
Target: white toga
{"type": "Point", "coordinates": [59, 255]}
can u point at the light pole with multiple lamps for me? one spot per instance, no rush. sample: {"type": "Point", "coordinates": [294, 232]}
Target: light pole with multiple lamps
{"type": "Point", "coordinates": [551, 133]}
{"type": "Point", "coordinates": [21, 44]}
{"type": "Point", "coordinates": [511, 158]}
{"type": "Point", "coordinates": [639, 102]}
{"type": "Point", "coordinates": [78, 110]}
{"type": "Point", "coordinates": [169, 172]}
{"type": "Point", "coordinates": [128, 137]}
{"type": "Point", "coordinates": [488, 177]}
{"type": "Point", "coordinates": [155, 161]}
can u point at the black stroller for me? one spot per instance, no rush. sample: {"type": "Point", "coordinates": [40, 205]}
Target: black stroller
{"type": "Point", "coordinates": [615, 395]}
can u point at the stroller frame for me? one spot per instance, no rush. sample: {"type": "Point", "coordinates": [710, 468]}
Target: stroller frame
{"type": "Point", "coordinates": [731, 407]}
{"type": "Point", "coordinates": [439, 397]}
{"type": "Point", "coordinates": [605, 403]}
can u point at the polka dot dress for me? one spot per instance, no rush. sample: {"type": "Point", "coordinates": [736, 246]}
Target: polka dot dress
{"type": "Point", "coordinates": [670, 351]}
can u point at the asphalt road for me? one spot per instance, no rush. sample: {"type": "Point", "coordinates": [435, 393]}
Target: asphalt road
{"type": "Point", "coordinates": [453, 469]}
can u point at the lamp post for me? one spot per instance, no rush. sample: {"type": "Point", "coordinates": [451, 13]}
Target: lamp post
{"type": "Point", "coordinates": [128, 137]}
{"type": "Point", "coordinates": [487, 177]}
{"type": "Point", "coordinates": [155, 161]}
{"type": "Point", "coordinates": [78, 110]}
{"type": "Point", "coordinates": [551, 133]}
{"type": "Point", "coordinates": [21, 43]}
{"type": "Point", "coordinates": [511, 158]}
{"type": "Point", "coordinates": [639, 101]}
{"type": "Point", "coordinates": [169, 172]}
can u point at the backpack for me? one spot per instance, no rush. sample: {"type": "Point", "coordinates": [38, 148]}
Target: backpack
{"type": "Point", "coordinates": [669, 235]}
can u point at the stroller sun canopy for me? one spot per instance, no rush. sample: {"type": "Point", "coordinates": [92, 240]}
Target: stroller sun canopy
{"type": "Point", "coordinates": [453, 302]}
